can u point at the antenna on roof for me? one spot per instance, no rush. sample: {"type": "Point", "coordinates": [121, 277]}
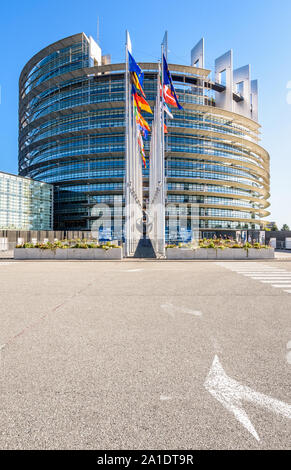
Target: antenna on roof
{"type": "Point", "coordinates": [98, 30]}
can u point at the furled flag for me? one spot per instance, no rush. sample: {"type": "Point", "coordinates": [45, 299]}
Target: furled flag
{"type": "Point", "coordinates": [141, 148]}
{"type": "Point", "coordinates": [169, 91]}
{"type": "Point", "coordinates": [143, 159]}
{"type": "Point", "coordinates": [143, 131]}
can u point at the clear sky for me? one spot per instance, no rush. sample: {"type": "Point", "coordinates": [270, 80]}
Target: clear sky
{"type": "Point", "coordinates": [258, 31]}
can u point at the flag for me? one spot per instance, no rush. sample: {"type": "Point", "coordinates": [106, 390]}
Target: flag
{"type": "Point", "coordinates": [143, 157]}
{"type": "Point", "coordinates": [137, 84]}
{"type": "Point", "coordinates": [169, 97]}
{"type": "Point", "coordinates": [141, 148]}
{"type": "Point", "coordinates": [167, 111]}
{"type": "Point", "coordinates": [142, 122]}
{"type": "Point", "coordinates": [139, 139]}
{"type": "Point", "coordinates": [143, 131]}
{"type": "Point", "coordinates": [134, 68]}
{"type": "Point", "coordinates": [169, 91]}
{"type": "Point", "coordinates": [142, 104]}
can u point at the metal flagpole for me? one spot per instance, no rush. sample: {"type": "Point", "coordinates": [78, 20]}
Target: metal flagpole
{"type": "Point", "coordinates": [134, 180]}
{"type": "Point", "coordinates": [162, 197]}
{"type": "Point", "coordinates": [127, 152]}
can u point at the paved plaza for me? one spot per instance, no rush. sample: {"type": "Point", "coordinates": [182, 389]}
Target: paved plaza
{"type": "Point", "coordinates": [145, 355]}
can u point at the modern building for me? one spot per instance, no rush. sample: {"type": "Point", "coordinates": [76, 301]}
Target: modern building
{"type": "Point", "coordinates": [72, 134]}
{"type": "Point", "coordinates": [270, 225]}
{"type": "Point", "coordinates": [25, 204]}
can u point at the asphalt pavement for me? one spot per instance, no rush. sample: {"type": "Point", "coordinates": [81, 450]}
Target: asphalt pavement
{"type": "Point", "coordinates": [145, 355]}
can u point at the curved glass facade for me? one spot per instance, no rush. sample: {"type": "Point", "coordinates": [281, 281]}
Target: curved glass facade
{"type": "Point", "coordinates": [72, 134]}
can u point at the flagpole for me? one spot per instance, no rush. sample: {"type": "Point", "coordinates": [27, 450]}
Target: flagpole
{"type": "Point", "coordinates": [127, 151]}
{"type": "Point", "coordinates": [162, 199]}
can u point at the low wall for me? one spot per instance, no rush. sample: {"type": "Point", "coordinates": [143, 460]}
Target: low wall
{"type": "Point", "coordinates": [212, 253]}
{"type": "Point", "coordinates": [10, 238]}
{"type": "Point", "coordinates": [68, 253]}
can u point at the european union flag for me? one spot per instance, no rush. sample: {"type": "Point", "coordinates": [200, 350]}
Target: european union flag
{"type": "Point", "coordinates": [133, 67]}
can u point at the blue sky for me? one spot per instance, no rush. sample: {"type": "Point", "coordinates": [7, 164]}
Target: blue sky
{"type": "Point", "coordinates": [258, 31]}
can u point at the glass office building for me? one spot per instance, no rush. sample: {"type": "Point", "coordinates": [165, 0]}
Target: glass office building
{"type": "Point", "coordinates": [25, 204]}
{"type": "Point", "coordinates": [72, 134]}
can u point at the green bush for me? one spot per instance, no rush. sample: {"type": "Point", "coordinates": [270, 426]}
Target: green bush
{"type": "Point", "coordinates": [219, 243]}
{"type": "Point", "coordinates": [69, 244]}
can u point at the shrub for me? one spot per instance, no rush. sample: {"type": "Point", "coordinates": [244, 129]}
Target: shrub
{"type": "Point", "coordinates": [220, 244]}
{"type": "Point", "coordinates": [68, 244]}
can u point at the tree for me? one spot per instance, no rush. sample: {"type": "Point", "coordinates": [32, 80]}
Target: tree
{"type": "Point", "coordinates": [285, 227]}
{"type": "Point", "coordinates": [274, 228]}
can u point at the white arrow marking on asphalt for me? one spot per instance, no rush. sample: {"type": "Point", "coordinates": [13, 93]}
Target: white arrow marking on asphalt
{"type": "Point", "coordinates": [231, 394]}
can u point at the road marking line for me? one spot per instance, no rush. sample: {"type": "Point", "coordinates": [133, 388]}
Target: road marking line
{"type": "Point", "coordinates": [4, 263]}
{"type": "Point", "coordinates": [256, 268]}
{"type": "Point", "coordinates": [272, 276]}
{"type": "Point", "coordinates": [231, 394]}
{"type": "Point", "coordinates": [260, 270]}
{"type": "Point", "coordinates": [132, 270]}
{"type": "Point", "coordinates": [272, 280]}
{"type": "Point", "coordinates": [277, 277]}
{"type": "Point", "coordinates": [265, 273]}
{"type": "Point", "coordinates": [165, 397]}
{"type": "Point", "coordinates": [171, 310]}
{"type": "Point", "coordinates": [282, 286]}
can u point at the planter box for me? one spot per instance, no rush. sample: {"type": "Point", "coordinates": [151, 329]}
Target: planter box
{"type": "Point", "coordinates": [180, 253]}
{"type": "Point", "coordinates": [68, 253]}
{"type": "Point", "coordinates": [226, 254]}
{"type": "Point", "coordinates": [239, 253]}
{"type": "Point", "coordinates": [201, 253]}
{"type": "Point", "coordinates": [263, 253]}
{"type": "Point", "coordinates": [211, 252]}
